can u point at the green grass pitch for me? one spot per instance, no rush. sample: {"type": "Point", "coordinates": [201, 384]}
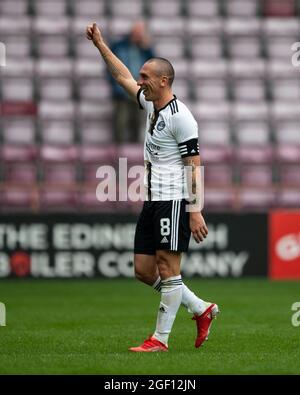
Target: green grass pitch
{"type": "Point", "coordinates": [86, 327]}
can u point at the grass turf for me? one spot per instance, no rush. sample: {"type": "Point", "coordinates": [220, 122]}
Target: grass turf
{"type": "Point", "coordinates": [86, 327]}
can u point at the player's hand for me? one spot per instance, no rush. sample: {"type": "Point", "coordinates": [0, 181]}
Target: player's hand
{"type": "Point", "coordinates": [198, 226]}
{"type": "Point", "coordinates": [93, 33]}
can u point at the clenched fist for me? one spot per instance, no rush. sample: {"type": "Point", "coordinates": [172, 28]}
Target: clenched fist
{"type": "Point", "coordinates": [93, 33]}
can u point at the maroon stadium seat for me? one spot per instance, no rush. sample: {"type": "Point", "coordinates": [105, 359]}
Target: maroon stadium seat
{"type": "Point", "coordinates": [53, 153]}
{"type": "Point", "coordinates": [257, 175]}
{"type": "Point", "coordinates": [20, 173]}
{"type": "Point", "coordinates": [259, 199]}
{"type": "Point", "coordinates": [219, 199]}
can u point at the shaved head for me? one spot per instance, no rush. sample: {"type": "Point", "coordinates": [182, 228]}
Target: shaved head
{"type": "Point", "coordinates": [163, 68]}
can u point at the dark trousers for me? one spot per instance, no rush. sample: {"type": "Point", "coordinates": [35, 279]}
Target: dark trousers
{"type": "Point", "coordinates": [127, 121]}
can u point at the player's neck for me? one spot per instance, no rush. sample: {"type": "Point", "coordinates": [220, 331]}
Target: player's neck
{"type": "Point", "coordinates": [163, 100]}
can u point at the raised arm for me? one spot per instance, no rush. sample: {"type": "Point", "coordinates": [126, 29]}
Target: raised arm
{"type": "Point", "coordinates": [117, 69]}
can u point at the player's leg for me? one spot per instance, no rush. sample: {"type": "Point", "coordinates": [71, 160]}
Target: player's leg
{"type": "Point", "coordinates": [168, 263]}
{"type": "Point", "coordinates": [145, 269]}
{"type": "Point", "coordinates": [175, 228]}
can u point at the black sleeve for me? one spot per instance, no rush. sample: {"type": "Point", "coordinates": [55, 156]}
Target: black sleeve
{"type": "Point", "coordinates": [138, 98]}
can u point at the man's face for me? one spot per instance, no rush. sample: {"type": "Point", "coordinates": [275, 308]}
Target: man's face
{"type": "Point", "coordinates": [150, 82]}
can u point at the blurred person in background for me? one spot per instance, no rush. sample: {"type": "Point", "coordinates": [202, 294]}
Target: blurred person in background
{"type": "Point", "coordinates": [133, 50]}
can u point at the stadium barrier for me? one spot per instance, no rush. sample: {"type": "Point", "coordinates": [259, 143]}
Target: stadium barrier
{"type": "Point", "coordinates": [89, 245]}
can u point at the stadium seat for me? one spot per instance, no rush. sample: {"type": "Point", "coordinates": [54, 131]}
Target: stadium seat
{"type": "Point", "coordinates": [78, 23]}
{"type": "Point", "coordinates": [205, 9]}
{"type": "Point", "coordinates": [289, 175]}
{"type": "Point", "coordinates": [95, 132]}
{"type": "Point", "coordinates": [256, 175]}
{"type": "Point", "coordinates": [58, 199]}
{"type": "Point", "coordinates": [182, 68]}
{"type": "Point", "coordinates": [259, 199]}
{"type": "Point", "coordinates": [56, 110]}
{"type": "Point", "coordinates": [117, 27]}
{"type": "Point", "coordinates": [218, 175]}
{"type": "Point", "coordinates": [17, 46]}
{"type": "Point", "coordinates": [58, 174]}
{"type": "Point", "coordinates": [134, 153]}
{"type": "Point", "coordinates": [81, 47]}
{"type": "Point", "coordinates": [18, 131]}
{"type": "Point", "coordinates": [19, 174]}
{"type": "Point", "coordinates": [252, 132]}
{"type": "Point", "coordinates": [243, 68]}
{"type": "Point", "coordinates": [288, 198]}
{"type": "Point", "coordinates": [126, 8]}
{"type": "Point", "coordinates": [288, 153]}
{"type": "Point", "coordinates": [181, 88]}
{"type": "Point", "coordinates": [165, 8]}
{"type": "Point", "coordinates": [280, 27]}
{"type": "Point", "coordinates": [244, 47]}
{"type": "Point", "coordinates": [237, 27]}
{"type": "Point", "coordinates": [59, 154]}
{"type": "Point", "coordinates": [88, 7]}
{"type": "Point", "coordinates": [212, 89]}
{"type": "Point", "coordinates": [219, 199]}
{"type": "Point", "coordinates": [15, 68]}
{"type": "Point", "coordinates": [18, 153]}
{"type": "Point", "coordinates": [60, 132]}
{"type": "Point", "coordinates": [17, 89]}
{"type": "Point", "coordinates": [254, 153]}
{"type": "Point", "coordinates": [50, 7]}
{"type": "Point", "coordinates": [87, 68]}
{"type": "Point", "coordinates": [280, 47]}
{"type": "Point", "coordinates": [241, 8]}
{"type": "Point", "coordinates": [207, 47]}
{"type": "Point", "coordinates": [13, 8]}
{"type": "Point", "coordinates": [88, 202]}
{"type": "Point", "coordinates": [94, 89]}
{"type": "Point", "coordinates": [162, 27]}
{"type": "Point", "coordinates": [252, 89]}
{"type": "Point", "coordinates": [208, 111]}
{"type": "Point", "coordinates": [55, 89]}
{"type": "Point", "coordinates": [285, 89]}
{"type": "Point", "coordinates": [284, 111]}
{"type": "Point", "coordinates": [214, 133]}
{"type": "Point", "coordinates": [58, 25]}
{"type": "Point", "coordinates": [208, 69]}
{"type": "Point", "coordinates": [50, 67]}
{"type": "Point", "coordinates": [8, 24]}
{"type": "Point", "coordinates": [251, 111]}
{"type": "Point", "coordinates": [14, 199]}
{"type": "Point", "coordinates": [215, 154]}
{"type": "Point", "coordinates": [92, 111]}
{"type": "Point", "coordinates": [288, 132]}
{"type": "Point", "coordinates": [170, 48]}
{"type": "Point", "coordinates": [198, 27]}
{"type": "Point", "coordinates": [98, 154]}
{"type": "Point", "coordinates": [278, 68]}
{"type": "Point", "coordinates": [52, 46]}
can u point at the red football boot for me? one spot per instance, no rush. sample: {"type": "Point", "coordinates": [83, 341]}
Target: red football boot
{"type": "Point", "coordinates": [204, 322]}
{"type": "Point", "coordinates": [150, 345]}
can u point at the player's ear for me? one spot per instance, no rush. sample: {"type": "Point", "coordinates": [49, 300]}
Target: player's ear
{"type": "Point", "coordinates": [164, 80]}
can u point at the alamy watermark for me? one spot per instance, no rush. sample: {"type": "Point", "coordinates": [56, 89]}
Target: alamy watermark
{"type": "Point", "coordinates": [2, 54]}
{"type": "Point", "coordinates": [296, 56]}
{"type": "Point", "coordinates": [2, 314]}
{"type": "Point", "coordinates": [167, 183]}
{"type": "Point", "coordinates": [296, 315]}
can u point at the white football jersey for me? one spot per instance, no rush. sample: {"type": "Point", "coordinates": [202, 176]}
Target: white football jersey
{"type": "Point", "coordinates": [171, 134]}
